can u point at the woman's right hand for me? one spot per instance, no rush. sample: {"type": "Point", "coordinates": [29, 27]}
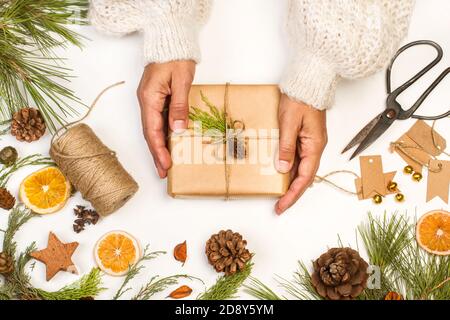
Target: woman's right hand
{"type": "Point", "coordinates": [159, 82]}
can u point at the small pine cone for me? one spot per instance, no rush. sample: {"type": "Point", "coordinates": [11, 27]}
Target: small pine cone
{"type": "Point", "coordinates": [340, 274]}
{"type": "Point", "coordinates": [28, 125]}
{"type": "Point", "coordinates": [226, 252]}
{"type": "Point", "coordinates": [7, 200]}
{"type": "Point", "coordinates": [6, 263]}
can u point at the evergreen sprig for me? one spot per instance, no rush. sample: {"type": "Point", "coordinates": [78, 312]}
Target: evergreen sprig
{"type": "Point", "coordinates": [215, 122]}
{"type": "Point", "coordinates": [157, 285]}
{"type": "Point", "coordinates": [135, 269]}
{"type": "Point", "coordinates": [30, 70]}
{"type": "Point", "coordinates": [226, 287]}
{"type": "Point", "coordinates": [32, 160]}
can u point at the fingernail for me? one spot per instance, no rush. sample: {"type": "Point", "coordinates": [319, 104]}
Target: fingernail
{"type": "Point", "coordinates": [179, 126]}
{"type": "Point", "coordinates": [283, 166]}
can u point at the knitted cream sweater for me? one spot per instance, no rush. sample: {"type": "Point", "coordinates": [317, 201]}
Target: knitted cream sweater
{"type": "Point", "coordinates": [331, 39]}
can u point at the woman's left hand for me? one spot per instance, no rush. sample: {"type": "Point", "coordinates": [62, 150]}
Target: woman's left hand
{"type": "Point", "coordinates": [303, 137]}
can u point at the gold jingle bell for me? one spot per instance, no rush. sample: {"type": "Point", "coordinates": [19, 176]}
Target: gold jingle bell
{"type": "Point", "coordinates": [417, 176]}
{"type": "Point", "coordinates": [408, 170]}
{"type": "Point", "coordinates": [399, 197]}
{"type": "Point", "coordinates": [377, 199]}
{"type": "Point", "coordinates": [392, 186]}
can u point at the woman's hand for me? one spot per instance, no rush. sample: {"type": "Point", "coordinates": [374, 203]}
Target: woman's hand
{"type": "Point", "coordinates": [303, 137]}
{"type": "Point", "coordinates": [159, 82]}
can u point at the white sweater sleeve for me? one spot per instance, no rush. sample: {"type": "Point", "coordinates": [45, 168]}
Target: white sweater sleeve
{"type": "Point", "coordinates": [340, 39]}
{"type": "Point", "coordinates": [170, 27]}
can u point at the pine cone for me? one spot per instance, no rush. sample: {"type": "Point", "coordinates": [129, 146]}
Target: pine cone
{"type": "Point", "coordinates": [7, 200]}
{"type": "Point", "coordinates": [227, 253]}
{"type": "Point", "coordinates": [340, 274]}
{"type": "Point", "coordinates": [28, 125]}
{"type": "Point", "coordinates": [6, 263]}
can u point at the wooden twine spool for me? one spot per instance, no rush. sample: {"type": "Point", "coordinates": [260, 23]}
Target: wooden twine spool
{"type": "Point", "coordinates": [92, 168]}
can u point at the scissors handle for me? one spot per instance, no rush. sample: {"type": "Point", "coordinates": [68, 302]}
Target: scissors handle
{"type": "Point", "coordinates": [393, 95]}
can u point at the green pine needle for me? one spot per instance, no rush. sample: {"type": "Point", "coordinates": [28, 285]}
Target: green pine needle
{"type": "Point", "coordinates": [226, 287]}
{"type": "Point", "coordinates": [33, 160]}
{"type": "Point", "coordinates": [259, 290]}
{"type": "Point", "coordinates": [30, 71]}
{"type": "Point", "coordinates": [157, 285]}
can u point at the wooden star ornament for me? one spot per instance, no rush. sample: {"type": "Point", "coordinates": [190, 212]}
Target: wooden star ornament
{"type": "Point", "coordinates": [57, 256]}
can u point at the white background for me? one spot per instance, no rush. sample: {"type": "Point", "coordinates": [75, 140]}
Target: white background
{"type": "Point", "coordinates": [242, 43]}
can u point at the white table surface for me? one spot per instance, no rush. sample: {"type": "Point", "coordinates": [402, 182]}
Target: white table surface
{"type": "Point", "coordinates": [241, 46]}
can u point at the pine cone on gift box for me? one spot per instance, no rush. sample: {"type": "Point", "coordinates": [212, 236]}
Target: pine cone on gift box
{"type": "Point", "coordinates": [227, 253]}
{"type": "Point", "coordinates": [340, 274]}
{"type": "Point", "coordinates": [7, 200]}
{"type": "Point", "coordinates": [28, 125]}
{"type": "Point", "coordinates": [6, 263]}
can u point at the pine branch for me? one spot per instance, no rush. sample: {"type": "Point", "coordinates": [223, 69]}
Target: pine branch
{"type": "Point", "coordinates": [30, 70]}
{"type": "Point", "coordinates": [226, 287]}
{"type": "Point", "coordinates": [33, 160]}
{"type": "Point", "coordinates": [259, 290]}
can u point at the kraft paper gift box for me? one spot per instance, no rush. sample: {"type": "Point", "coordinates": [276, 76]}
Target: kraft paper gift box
{"type": "Point", "coordinates": [209, 165]}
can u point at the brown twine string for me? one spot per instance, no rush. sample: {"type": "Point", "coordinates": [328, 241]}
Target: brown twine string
{"type": "Point", "coordinates": [319, 179]}
{"type": "Point", "coordinates": [227, 167]}
{"type": "Point", "coordinates": [91, 167]}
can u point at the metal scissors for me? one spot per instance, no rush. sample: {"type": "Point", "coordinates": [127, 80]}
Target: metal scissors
{"type": "Point", "coordinates": [394, 110]}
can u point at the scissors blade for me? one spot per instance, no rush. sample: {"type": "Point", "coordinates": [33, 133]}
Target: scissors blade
{"type": "Point", "coordinates": [362, 134]}
{"type": "Point", "coordinates": [380, 127]}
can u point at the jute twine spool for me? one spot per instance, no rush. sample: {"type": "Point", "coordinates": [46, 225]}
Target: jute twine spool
{"type": "Point", "coordinates": [91, 167]}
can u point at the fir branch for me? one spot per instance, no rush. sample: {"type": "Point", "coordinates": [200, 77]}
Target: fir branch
{"type": "Point", "coordinates": [17, 218]}
{"type": "Point", "coordinates": [259, 290]}
{"type": "Point", "coordinates": [135, 269]}
{"type": "Point", "coordinates": [32, 160]}
{"type": "Point", "coordinates": [226, 287]}
{"type": "Point", "coordinates": [88, 286]}
{"type": "Point", "coordinates": [157, 284]}
{"type": "Point", "coordinates": [214, 122]}
{"type": "Point", "coordinates": [30, 71]}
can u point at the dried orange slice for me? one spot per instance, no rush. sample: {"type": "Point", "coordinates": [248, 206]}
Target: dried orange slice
{"type": "Point", "coordinates": [45, 191]}
{"type": "Point", "coordinates": [433, 232]}
{"type": "Point", "coordinates": [116, 251]}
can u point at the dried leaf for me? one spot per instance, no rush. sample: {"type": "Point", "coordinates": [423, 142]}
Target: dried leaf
{"type": "Point", "coordinates": [181, 292]}
{"type": "Point", "coordinates": [180, 252]}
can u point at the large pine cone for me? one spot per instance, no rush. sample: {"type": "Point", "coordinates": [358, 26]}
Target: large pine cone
{"type": "Point", "coordinates": [6, 263]}
{"type": "Point", "coordinates": [28, 125]}
{"type": "Point", "coordinates": [7, 200]}
{"type": "Point", "coordinates": [340, 274]}
{"type": "Point", "coordinates": [227, 253]}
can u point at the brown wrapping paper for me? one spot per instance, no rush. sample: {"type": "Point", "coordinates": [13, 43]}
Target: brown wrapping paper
{"type": "Point", "coordinates": [205, 173]}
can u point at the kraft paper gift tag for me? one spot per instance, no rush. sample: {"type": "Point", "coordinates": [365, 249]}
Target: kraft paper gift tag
{"type": "Point", "coordinates": [438, 180]}
{"type": "Point", "coordinates": [419, 146]}
{"type": "Point", "coordinates": [373, 180]}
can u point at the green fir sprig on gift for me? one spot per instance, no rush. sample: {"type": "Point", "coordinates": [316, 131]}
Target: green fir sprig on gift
{"type": "Point", "coordinates": [227, 287]}
{"type": "Point", "coordinates": [31, 73]}
{"type": "Point", "coordinates": [404, 267]}
{"type": "Point", "coordinates": [16, 285]}
{"type": "Point", "coordinates": [214, 122]}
